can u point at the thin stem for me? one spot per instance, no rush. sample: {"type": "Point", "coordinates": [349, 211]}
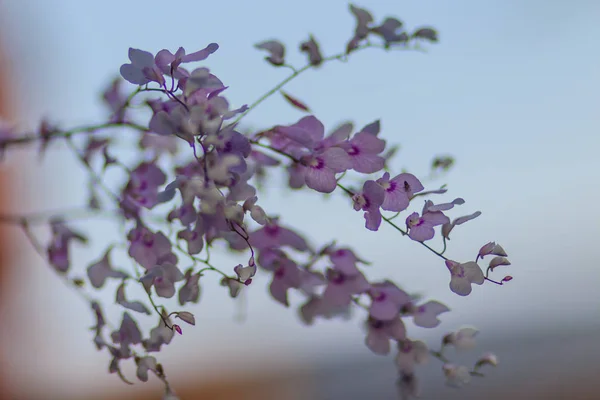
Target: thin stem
{"type": "Point", "coordinates": [95, 177]}
{"type": "Point", "coordinates": [30, 138]}
{"type": "Point", "coordinates": [350, 193]}
{"type": "Point", "coordinates": [393, 225]}
{"type": "Point", "coordinates": [296, 72]}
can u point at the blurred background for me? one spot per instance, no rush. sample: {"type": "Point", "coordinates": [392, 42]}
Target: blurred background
{"type": "Point", "coordinates": [511, 91]}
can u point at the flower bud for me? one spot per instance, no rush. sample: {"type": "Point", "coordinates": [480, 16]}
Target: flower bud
{"type": "Point", "coordinates": [497, 261]}
{"type": "Point", "coordinates": [487, 359]}
{"type": "Point", "coordinates": [186, 317]}
{"type": "Point", "coordinates": [178, 329]}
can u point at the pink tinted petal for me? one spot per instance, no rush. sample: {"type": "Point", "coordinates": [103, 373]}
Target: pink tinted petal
{"type": "Point", "coordinates": [336, 159]}
{"type": "Point", "coordinates": [335, 296]}
{"type": "Point", "coordinates": [435, 218]}
{"type": "Point", "coordinates": [340, 133]}
{"type": "Point", "coordinates": [446, 206]}
{"type": "Point", "coordinates": [426, 314]}
{"type": "Point", "coordinates": [374, 193]}
{"type": "Point", "coordinates": [164, 288]}
{"type": "Point", "coordinates": [384, 310]}
{"type": "Point", "coordinates": [308, 131]}
{"type": "Point", "coordinates": [421, 233]}
{"type": "Point", "coordinates": [102, 270]}
{"type": "Point", "coordinates": [162, 59]}
{"type": "Point", "coordinates": [145, 257]}
{"type": "Point", "coordinates": [141, 58]}
{"type": "Point", "coordinates": [460, 286]}
{"type": "Point", "coordinates": [377, 341]}
{"type": "Point", "coordinates": [462, 220]}
{"type": "Point", "coordinates": [473, 273]}
{"type": "Point", "coordinates": [278, 290]}
{"type": "Point", "coordinates": [392, 292]}
{"type": "Point", "coordinates": [368, 143]}
{"type": "Point", "coordinates": [373, 219]}
{"type": "Point", "coordinates": [291, 238]}
{"type": "Point", "coordinates": [373, 128]}
{"type": "Point", "coordinates": [367, 163]}
{"type": "Point", "coordinates": [395, 201]}
{"type": "Point", "coordinates": [322, 180]}
{"type": "Point", "coordinates": [357, 284]}
{"type": "Point", "coordinates": [397, 330]}
{"type": "Point", "coordinates": [297, 175]}
{"type": "Point", "coordinates": [344, 260]}
{"type": "Point", "coordinates": [408, 183]}
{"type": "Point", "coordinates": [133, 75]}
{"type": "Point", "coordinates": [202, 54]}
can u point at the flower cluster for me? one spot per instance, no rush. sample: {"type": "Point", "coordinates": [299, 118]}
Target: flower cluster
{"type": "Point", "coordinates": [175, 209]}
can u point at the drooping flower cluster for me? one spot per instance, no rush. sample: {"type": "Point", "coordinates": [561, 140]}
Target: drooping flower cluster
{"type": "Point", "coordinates": [214, 196]}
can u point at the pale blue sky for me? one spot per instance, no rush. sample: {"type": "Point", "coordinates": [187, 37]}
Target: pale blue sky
{"type": "Point", "coordinates": [511, 91]}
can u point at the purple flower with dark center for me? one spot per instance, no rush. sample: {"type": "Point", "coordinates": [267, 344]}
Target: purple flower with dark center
{"type": "Point", "coordinates": [163, 278]}
{"type": "Point", "coordinates": [411, 353]}
{"type": "Point", "coordinates": [149, 249]}
{"type": "Point", "coordinates": [379, 334]}
{"type": "Point", "coordinates": [186, 214]}
{"type": "Point", "coordinates": [273, 235]}
{"type": "Point", "coordinates": [363, 150]}
{"type": "Point", "coordinates": [142, 188]}
{"type": "Point", "coordinates": [276, 51]}
{"type": "Point", "coordinates": [340, 289]}
{"type": "Point", "coordinates": [343, 260]}
{"type": "Point", "coordinates": [399, 191]}
{"type": "Point", "coordinates": [142, 69]}
{"type": "Point", "coordinates": [321, 169]}
{"type": "Point", "coordinates": [287, 275]}
{"type": "Point", "coordinates": [175, 122]}
{"type": "Point", "coordinates": [270, 258]}
{"type": "Point", "coordinates": [420, 228]}
{"type": "Point", "coordinates": [369, 200]}
{"type": "Point", "coordinates": [386, 301]}
{"type": "Point", "coordinates": [463, 275]}
{"type": "Point", "coordinates": [193, 237]}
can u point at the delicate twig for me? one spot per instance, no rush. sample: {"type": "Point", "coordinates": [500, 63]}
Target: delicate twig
{"type": "Point", "coordinates": [296, 72]}
{"type": "Point", "coordinates": [89, 129]}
